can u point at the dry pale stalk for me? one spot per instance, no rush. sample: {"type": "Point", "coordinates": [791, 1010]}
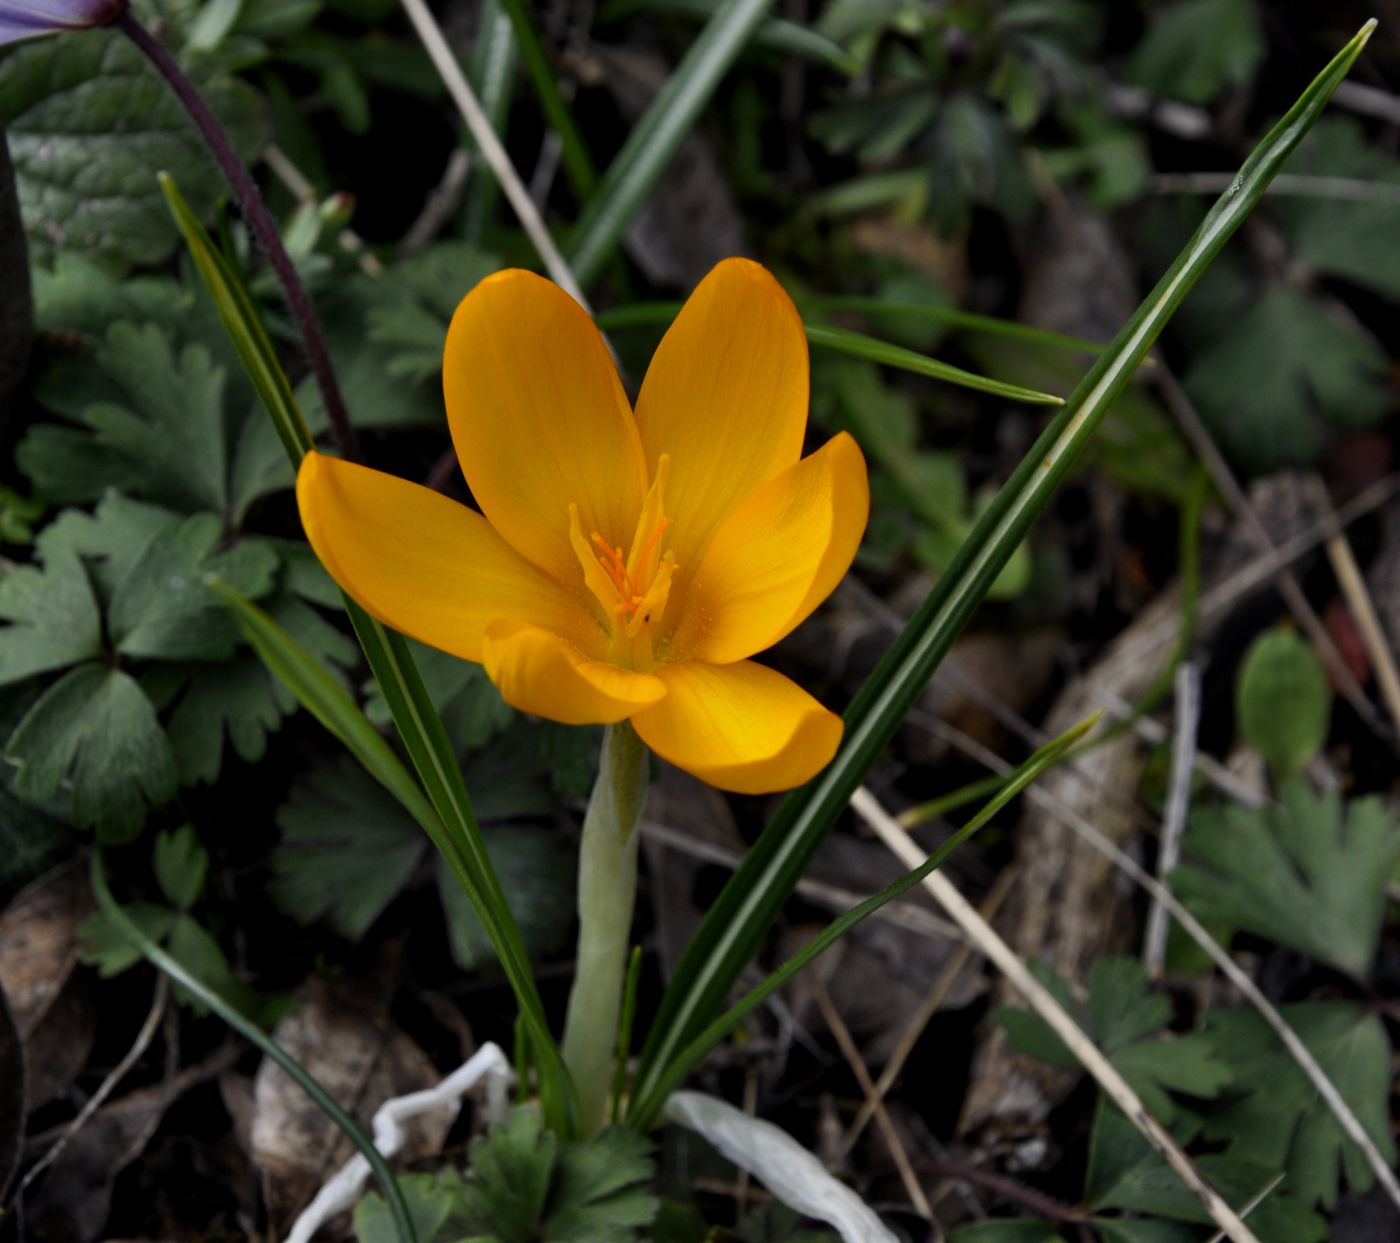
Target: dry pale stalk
{"type": "Point", "coordinates": [882, 1117]}
{"type": "Point", "coordinates": [1054, 1015]}
{"type": "Point", "coordinates": [1310, 1066]}
{"type": "Point", "coordinates": [491, 149]}
{"type": "Point", "coordinates": [1188, 716]}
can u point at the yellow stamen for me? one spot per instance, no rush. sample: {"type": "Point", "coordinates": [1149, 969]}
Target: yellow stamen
{"type": "Point", "coordinates": [632, 591]}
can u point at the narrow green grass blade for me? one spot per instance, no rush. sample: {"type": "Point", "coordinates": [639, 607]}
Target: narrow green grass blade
{"type": "Point", "coordinates": [645, 1110]}
{"type": "Point", "coordinates": [658, 135]}
{"type": "Point", "coordinates": [776, 34]}
{"type": "Point", "coordinates": [240, 320]}
{"type": "Point", "coordinates": [738, 920]}
{"type": "Point", "coordinates": [860, 346]}
{"type": "Point", "coordinates": [326, 699]}
{"type": "Point", "coordinates": [455, 834]}
{"type": "Point", "coordinates": [492, 75]}
{"type": "Point", "coordinates": [853, 343]}
{"type": "Point", "coordinates": [624, 1032]}
{"type": "Point", "coordinates": [461, 844]}
{"type": "Point", "coordinates": [578, 163]}
{"type": "Point", "coordinates": [637, 315]}
{"type": "Point", "coordinates": [953, 319]}
{"type": "Point", "coordinates": [906, 190]}
{"type": "Point", "coordinates": [454, 830]}
{"type": "Point", "coordinates": [158, 958]}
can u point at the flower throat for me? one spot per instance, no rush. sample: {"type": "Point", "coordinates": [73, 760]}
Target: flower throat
{"type": "Point", "coordinates": [631, 590]}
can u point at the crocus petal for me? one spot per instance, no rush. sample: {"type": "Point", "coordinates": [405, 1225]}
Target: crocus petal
{"type": "Point", "coordinates": [726, 397]}
{"type": "Point", "coordinates": [776, 557]}
{"type": "Point", "coordinates": [424, 564]}
{"type": "Point", "coordinates": [25, 19]}
{"type": "Point", "coordinates": [537, 671]}
{"type": "Point", "coordinates": [740, 727]}
{"type": "Point", "coordinates": [540, 420]}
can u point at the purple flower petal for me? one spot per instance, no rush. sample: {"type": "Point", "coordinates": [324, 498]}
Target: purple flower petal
{"type": "Point", "coordinates": [26, 19]}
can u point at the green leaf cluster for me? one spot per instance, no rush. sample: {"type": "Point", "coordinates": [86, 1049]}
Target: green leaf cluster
{"type": "Point", "coordinates": [164, 442]}
{"type": "Point", "coordinates": [525, 1186]}
{"type": "Point", "coordinates": [1230, 1087]}
{"type": "Point", "coordinates": [1309, 874]}
{"type": "Point", "coordinates": [348, 849]}
{"type": "Point", "coordinates": [961, 86]}
{"type": "Point", "coordinates": [1127, 1021]}
{"type": "Point", "coordinates": [1194, 51]}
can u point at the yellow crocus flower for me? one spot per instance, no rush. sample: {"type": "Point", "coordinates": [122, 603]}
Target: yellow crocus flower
{"type": "Point", "coordinates": [624, 565]}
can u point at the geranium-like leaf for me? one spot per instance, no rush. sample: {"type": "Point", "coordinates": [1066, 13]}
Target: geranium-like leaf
{"type": "Point", "coordinates": [1342, 237]}
{"type": "Point", "coordinates": [111, 538]}
{"type": "Point", "coordinates": [537, 870]}
{"type": "Point", "coordinates": [1280, 372]}
{"type": "Point", "coordinates": [511, 1170]}
{"type": "Point", "coordinates": [435, 1206]}
{"type": "Point", "coordinates": [96, 730]}
{"type": "Point", "coordinates": [1125, 1172]}
{"type": "Point", "coordinates": [1280, 1120]}
{"type": "Point", "coordinates": [163, 608]}
{"type": "Point", "coordinates": [600, 1192]}
{"type": "Point", "coordinates": [347, 849]}
{"type": "Point", "coordinates": [1198, 48]}
{"type": "Point", "coordinates": [1126, 1020]}
{"type": "Point", "coordinates": [524, 1186]}
{"type": "Point", "coordinates": [1309, 874]}
{"type": "Point", "coordinates": [53, 615]}
{"type": "Point", "coordinates": [239, 701]}
{"type": "Point", "coordinates": [181, 864]}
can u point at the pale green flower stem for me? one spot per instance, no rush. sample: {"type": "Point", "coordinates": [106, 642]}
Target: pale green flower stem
{"type": "Point", "coordinates": [607, 891]}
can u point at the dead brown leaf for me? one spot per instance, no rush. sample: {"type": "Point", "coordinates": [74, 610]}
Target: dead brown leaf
{"type": "Point", "coordinates": [348, 1043]}
{"type": "Point", "coordinates": [38, 950]}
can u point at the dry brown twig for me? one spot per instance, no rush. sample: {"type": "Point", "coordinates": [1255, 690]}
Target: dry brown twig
{"type": "Point", "coordinates": [851, 1053]}
{"type": "Point", "coordinates": [491, 149]}
{"type": "Point", "coordinates": [1232, 971]}
{"type": "Point", "coordinates": [144, 1036]}
{"type": "Point", "coordinates": [910, 1036]}
{"type": "Point", "coordinates": [1184, 412]}
{"type": "Point", "coordinates": [1054, 1015]}
{"type": "Point", "coordinates": [1363, 611]}
{"type": "Point", "coordinates": [893, 1143]}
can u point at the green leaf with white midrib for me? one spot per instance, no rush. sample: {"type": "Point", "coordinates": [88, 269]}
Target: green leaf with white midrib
{"type": "Point", "coordinates": [739, 919]}
{"type": "Point", "coordinates": [457, 839]}
{"type": "Point", "coordinates": [859, 345]}
{"type": "Point", "coordinates": [645, 1108]}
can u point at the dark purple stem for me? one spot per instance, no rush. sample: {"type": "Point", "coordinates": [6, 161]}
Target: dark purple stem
{"type": "Point", "coordinates": [256, 214]}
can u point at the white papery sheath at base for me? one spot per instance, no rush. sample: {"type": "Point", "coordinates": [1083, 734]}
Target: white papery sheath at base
{"type": "Point", "coordinates": [780, 1163]}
